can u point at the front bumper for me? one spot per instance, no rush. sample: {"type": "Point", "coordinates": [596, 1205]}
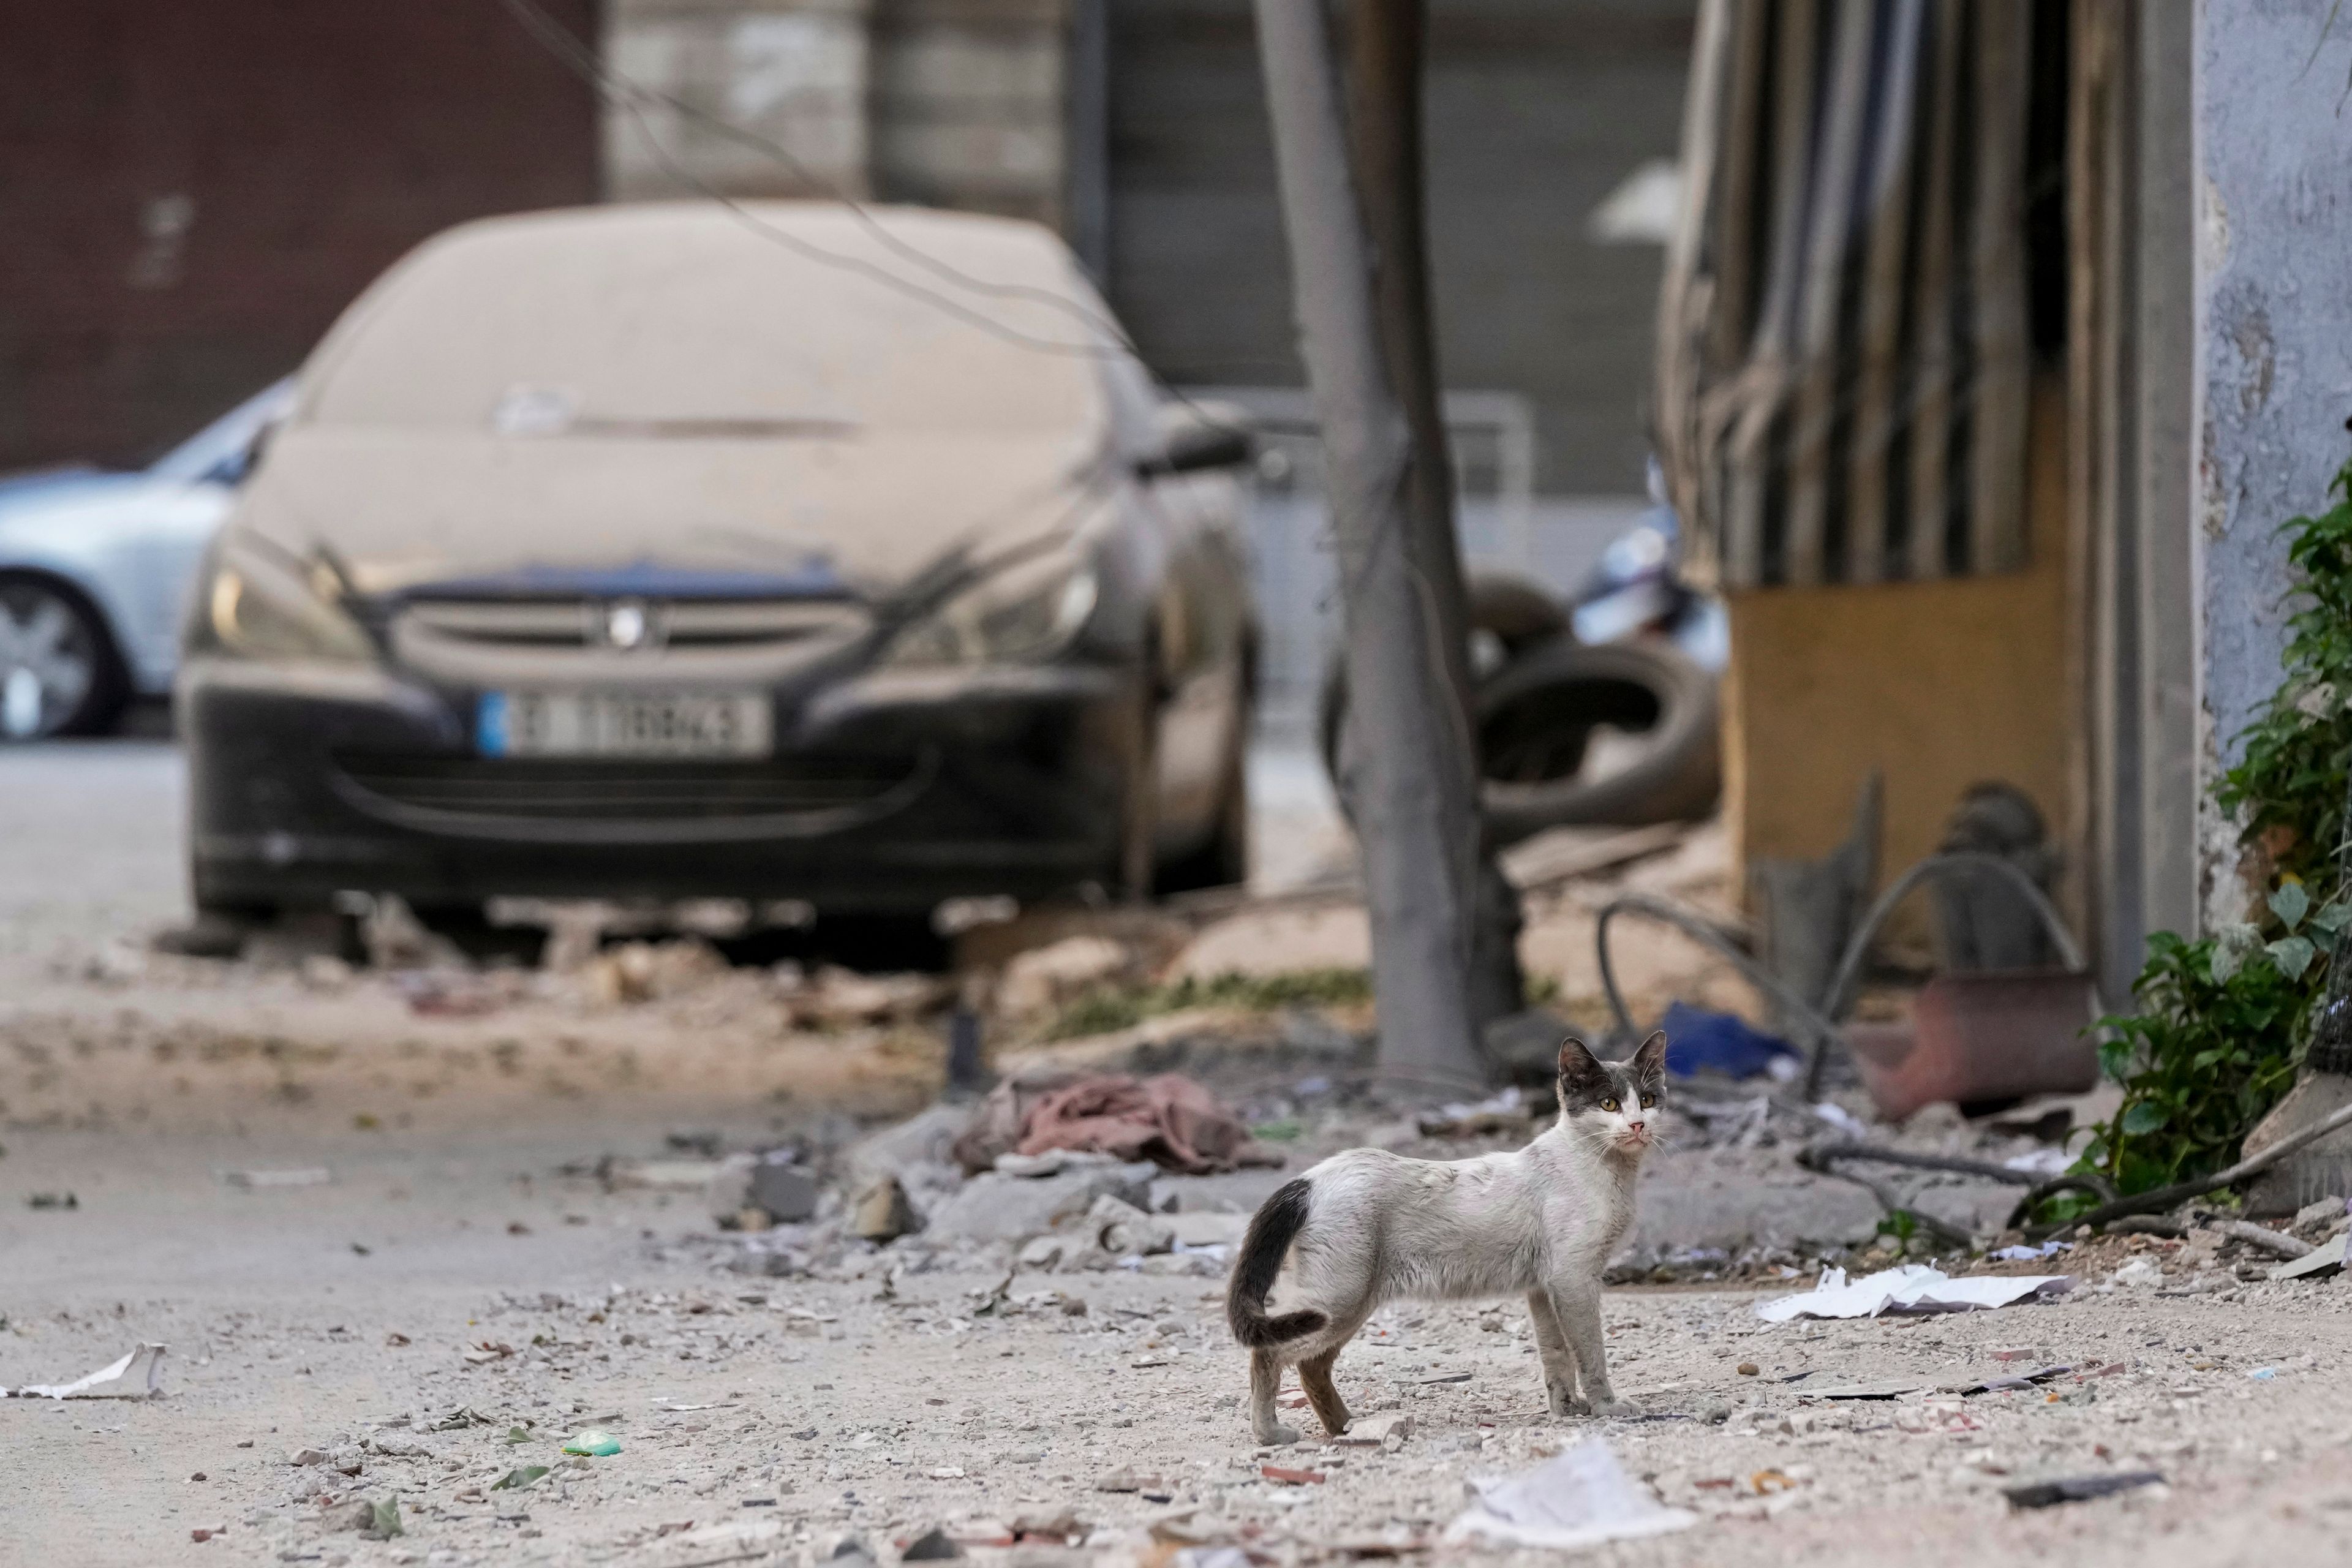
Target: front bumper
{"type": "Point", "coordinates": [888, 793]}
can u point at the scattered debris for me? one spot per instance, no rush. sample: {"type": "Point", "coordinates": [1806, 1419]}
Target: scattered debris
{"type": "Point", "coordinates": [2139, 1274]}
{"type": "Point", "coordinates": [138, 1375]}
{"type": "Point", "coordinates": [1376, 1430]}
{"type": "Point", "coordinates": [1911, 1288]}
{"type": "Point", "coordinates": [1505, 1112]}
{"type": "Point", "coordinates": [1582, 1497]}
{"type": "Point", "coordinates": [1045, 979]}
{"type": "Point", "coordinates": [304, 1176]}
{"type": "Point", "coordinates": [1699, 1041]}
{"type": "Point", "coordinates": [660, 1175]}
{"type": "Point", "coordinates": [998, 1206]}
{"type": "Point", "coordinates": [2012, 1381]}
{"type": "Point", "coordinates": [2078, 1488]}
{"type": "Point", "coordinates": [519, 1477]}
{"type": "Point", "coordinates": [593, 1443]}
{"type": "Point", "coordinates": [933, 1545]}
{"type": "Point", "coordinates": [773, 1182]}
{"type": "Point", "coordinates": [1283, 1476]}
{"type": "Point", "coordinates": [641, 972]}
{"type": "Point", "coordinates": [2270, 1241]}
{"type": "Point", "coordinates": [1882, 1388]}
{"type": "Point", "coordinates": [1169, 1120]}
{"type": "Point", "coordinates": [883, 1212]}
{"type": "Point", "coordinates": [2317, 1263]}
{"type": "Point", "coordinates": [377, 1519]}
{"type": "Point", "coordinates": [1123, 1230]}
{"type": "Point", "coordinates": [837, 998]}
{"type": "Point", "coordinates": [464, 1416]}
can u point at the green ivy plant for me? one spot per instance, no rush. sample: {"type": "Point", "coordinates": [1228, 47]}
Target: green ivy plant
{"type": "Point", "coordinates": [2223, 1022]}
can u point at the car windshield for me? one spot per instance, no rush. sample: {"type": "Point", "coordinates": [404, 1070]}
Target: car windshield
{"type": "Point", "coordinates": [682, 322]}
{"type": "Point", "coordinates": [220, 451]}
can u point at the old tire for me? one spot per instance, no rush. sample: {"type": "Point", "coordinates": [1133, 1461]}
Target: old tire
{"type": "Point", "coordinates": [1537, 718]}
{"type": "Point", "coordinates": [1511, 613]}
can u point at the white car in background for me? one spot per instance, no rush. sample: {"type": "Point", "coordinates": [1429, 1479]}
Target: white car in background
{"type": "Point", "coordinates": [95, 571]}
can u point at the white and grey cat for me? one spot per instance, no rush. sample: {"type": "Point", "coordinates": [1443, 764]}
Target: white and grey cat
{"type": "Point", "coordinates": [1368, 1226]}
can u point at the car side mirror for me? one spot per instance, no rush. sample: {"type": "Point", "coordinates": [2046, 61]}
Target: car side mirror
{"type": "Point", "coordinates": [238, 466]}
{"type": "Point", "coordinates": [1198, 446]}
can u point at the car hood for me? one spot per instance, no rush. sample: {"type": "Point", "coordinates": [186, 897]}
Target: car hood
{"type": "Point", "coordinates": [401, 510]}
{"type": "Point", "coordinates": [67, 483]}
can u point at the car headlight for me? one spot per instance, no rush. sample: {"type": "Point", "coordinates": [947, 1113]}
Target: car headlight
{"type": "Point", "coordinates": [262, 605]}
{"type": "Point", "coordinates": [1024, 614]}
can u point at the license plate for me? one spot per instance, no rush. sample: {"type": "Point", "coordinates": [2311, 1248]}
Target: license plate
{"type": "Point", "coordinates": [624, 725]}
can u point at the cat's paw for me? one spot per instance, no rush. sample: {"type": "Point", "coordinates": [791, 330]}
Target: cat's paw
{"type": "Point", "coordinates": [1276, 1437]}
{"type": "Point", "coordinates": [1616, 1407]}
{"type": "Point", "coordinates": [1564, 1400]}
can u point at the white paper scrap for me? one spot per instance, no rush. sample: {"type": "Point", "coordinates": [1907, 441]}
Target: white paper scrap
{"type": "Point", "coordinates": [1913, 1288]}
{"type": "Point", "coordinates": [1582, 1497]}
{"type": "Point", "coordinates": [135, 1377]}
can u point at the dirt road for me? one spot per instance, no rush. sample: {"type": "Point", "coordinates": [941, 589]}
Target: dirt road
{"type": "Point", "coordinates": [461, 1259]}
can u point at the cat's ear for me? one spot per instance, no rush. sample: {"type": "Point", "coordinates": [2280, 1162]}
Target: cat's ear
{"type": "Point", "coordinates": [1649, 1062]}
{"type": "Point", "coordinates": [1579, 1067]}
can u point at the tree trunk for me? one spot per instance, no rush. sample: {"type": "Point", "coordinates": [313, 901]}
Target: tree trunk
{"type": "Point", "coordinates": [1384, 74]}
{"type": "Point", "coordinates": [1412, 782]}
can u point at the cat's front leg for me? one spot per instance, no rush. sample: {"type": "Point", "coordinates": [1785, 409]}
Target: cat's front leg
{"type": "Point", "coordinates": [1576, 1303]}
{"type": "Point", "coordinates": [1559, 1360]}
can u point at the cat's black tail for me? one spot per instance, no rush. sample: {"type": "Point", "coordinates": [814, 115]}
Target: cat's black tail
{"type": "Point", "coordinates": [1271, 1231]}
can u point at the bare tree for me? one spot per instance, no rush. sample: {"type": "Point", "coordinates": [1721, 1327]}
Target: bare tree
{"type": "Point", "coordinates": [1407, 757]}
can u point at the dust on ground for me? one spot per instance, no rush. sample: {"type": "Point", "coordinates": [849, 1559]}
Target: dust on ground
{"type": "Point", "coordinates": [407, 1230]}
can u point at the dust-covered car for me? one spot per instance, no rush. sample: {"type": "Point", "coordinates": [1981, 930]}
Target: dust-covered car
{"type": "Point", "coordinates": [779, 552]}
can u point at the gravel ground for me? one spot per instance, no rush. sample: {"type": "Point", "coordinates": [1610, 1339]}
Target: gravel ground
{"type": "Point", "coordinates": [758, 1417]}
{"type": "Point", "coordinates": [464, 1257]}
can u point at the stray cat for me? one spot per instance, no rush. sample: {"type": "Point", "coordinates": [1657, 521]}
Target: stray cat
{"type": "Point", "coordinates": [1367, 1226]}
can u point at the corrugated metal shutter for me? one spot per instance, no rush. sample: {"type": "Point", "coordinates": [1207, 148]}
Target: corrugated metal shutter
{"type": "Point", "coordinates": [1845, 345]}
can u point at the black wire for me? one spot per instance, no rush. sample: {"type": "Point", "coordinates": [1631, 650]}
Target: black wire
{"type": "Point", "coordinates": [630, 96]}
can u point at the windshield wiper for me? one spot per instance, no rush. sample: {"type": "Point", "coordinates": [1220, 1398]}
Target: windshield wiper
{"type": "Point", "coordinates": [715, 429]}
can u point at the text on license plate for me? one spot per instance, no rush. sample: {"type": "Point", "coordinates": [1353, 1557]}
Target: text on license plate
{"type": "Point", "coordinates": [624, 725]}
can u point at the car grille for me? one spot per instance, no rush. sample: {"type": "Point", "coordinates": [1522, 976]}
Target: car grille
{"type": "Point", "coordinates": [451, 793]}
{"type": "Point", "coordinates": [679, 623]}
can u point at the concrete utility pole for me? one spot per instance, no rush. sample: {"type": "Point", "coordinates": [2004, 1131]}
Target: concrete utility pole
{"type": "Point", "coordinates": [1411, 773]}
{"type": "Point", "coordinates": [1384, 67]}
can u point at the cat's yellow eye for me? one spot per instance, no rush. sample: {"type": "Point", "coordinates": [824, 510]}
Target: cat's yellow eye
{"type": "Point", "coordinates": [1609, 1105]}
{"type": "Point", "coordinates": [1649, 1100]}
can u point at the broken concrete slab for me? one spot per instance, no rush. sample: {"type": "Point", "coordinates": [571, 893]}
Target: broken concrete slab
{"type": "Point", "coordinates": [1123, 1230]}
{"type": "Point", "coordinates": [2316, 1265]}
{"type": "Point", "coordinates": [1207, 1229]}
{"type": "Point", "coordinates": [993, 1207]}
{"type": "Point", "coordinates": [927, 1138]}
{"type": "Point", "coordinates": [775, 1184]}
{"type": "Point", "coordinates": [1372, 1431]}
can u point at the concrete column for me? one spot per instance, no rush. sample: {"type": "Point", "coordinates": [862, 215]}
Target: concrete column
{"type": "Point", "coordinates": [2272, 386]}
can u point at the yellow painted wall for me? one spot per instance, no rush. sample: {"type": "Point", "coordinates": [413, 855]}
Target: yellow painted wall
{"type": "Point", "coordinates": [1941, 684]}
